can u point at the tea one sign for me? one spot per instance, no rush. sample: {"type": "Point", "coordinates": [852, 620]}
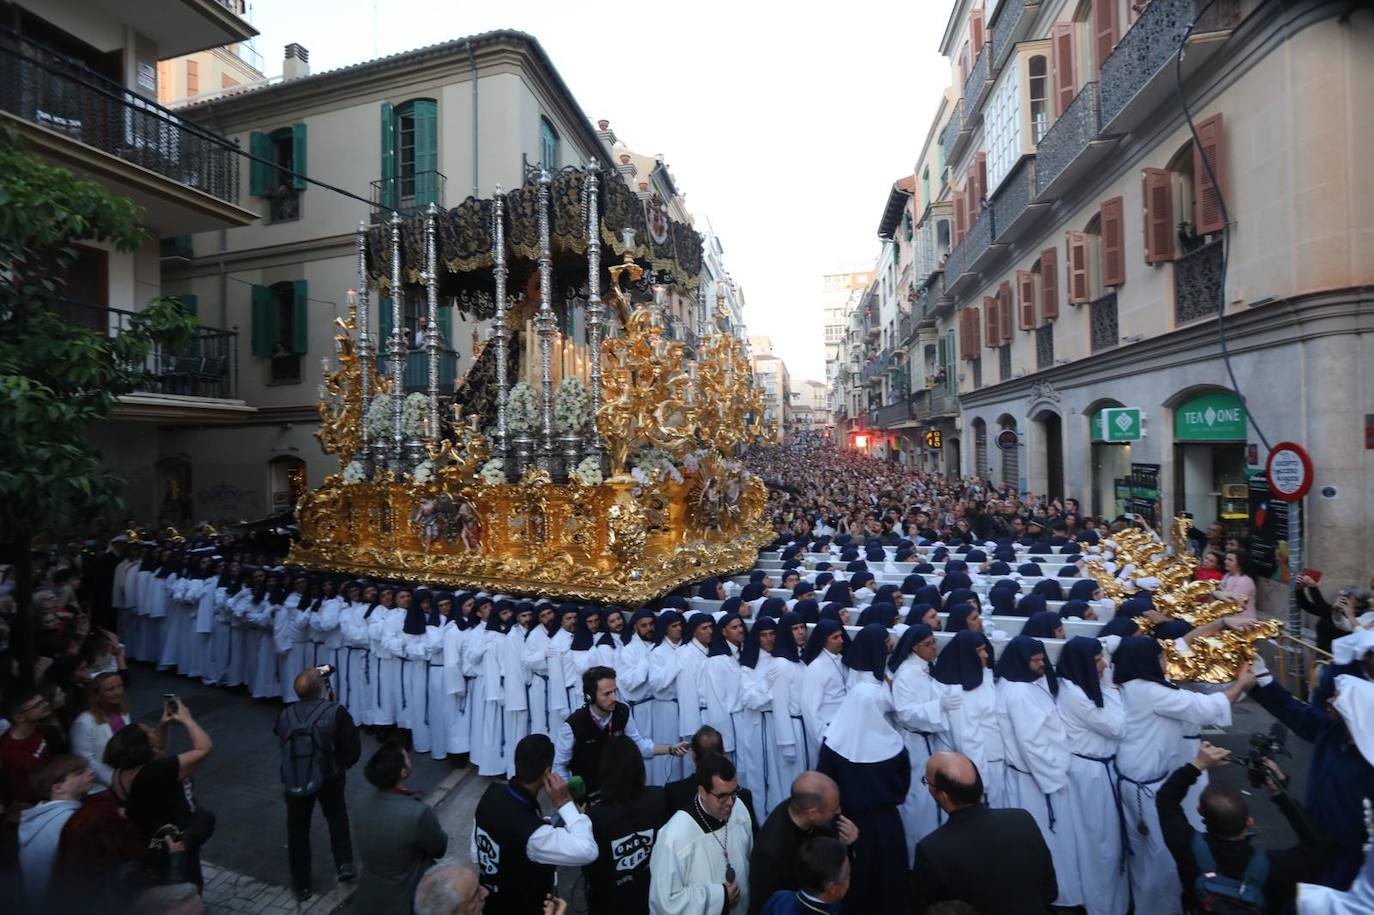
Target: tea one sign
{"type": "Point", "coordinates": [1216, 416]}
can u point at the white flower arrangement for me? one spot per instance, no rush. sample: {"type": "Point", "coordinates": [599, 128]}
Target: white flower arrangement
{"type": "Point", "coordinates": [424, 472]}
{"type": "Point", "coordinates": [571, 405]}
{"type": "Point", "coordinates": [588, 473]}
{"type": "Point", "coordinates": [520, 407]}
{"type": "Point", "coordinates": [377, 422]}
{"type": "Point", "coordinates": [493, 472]}
{"type": "Point", "coordinates": [415, 414]}
{"type": "Point", "coordinates": [653, 461]}
{"type": "Point", "coordinates": [353, 472]}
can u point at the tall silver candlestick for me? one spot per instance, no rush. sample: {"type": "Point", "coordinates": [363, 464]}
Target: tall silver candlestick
{"type": "Point", "coordinates": [499, 272]}
{"type": "Point", "coordinates": [364, 328]}
{"type": "Point", "coordinates": [397, 348]}
{"type": "Point", "coordinates": [596, 312]}
{"type": "Point", "coordinates": [432, 331]}
{"type": "Point", "coordinates": [546, 322]}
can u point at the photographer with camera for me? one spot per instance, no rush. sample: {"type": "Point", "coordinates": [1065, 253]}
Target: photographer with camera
{"type": "Point", "coordinates": [319, 744]}
{"type": "Point", "coordinates": [1221, 871]}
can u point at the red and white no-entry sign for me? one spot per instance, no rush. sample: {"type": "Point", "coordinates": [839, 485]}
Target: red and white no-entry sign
{"type": "Point", "coordinates": [1289, 471]}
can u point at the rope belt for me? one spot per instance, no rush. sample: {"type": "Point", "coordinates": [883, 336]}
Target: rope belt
{"type": "Point", "coordinates": [806, 744]}
{"type": "Point", "coordinates": [1142, 789]}
{"type": "Point", "coordinates": [1109, 763]}
{"type": "Point", "coordinates": [1049, 804]}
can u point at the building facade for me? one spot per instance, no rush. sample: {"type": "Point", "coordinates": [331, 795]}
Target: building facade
{"type": "Point", "coordinates": [79, 82]}
{"type": "Point", "coordinates": [840, 294]}
{"type": "Point", "coordinates": [1089, 250]}
{"type": "Point", "coordinates": [773, 381]}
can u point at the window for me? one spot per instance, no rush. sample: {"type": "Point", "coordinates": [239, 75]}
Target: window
{"type": "Point", "coordinates": [192, 77]}
{"type": "Point", "coordinates": [1002, 127]}
{"type": "Point", "coordinates": [410, 155]}
{"type": "Point", "coordinates": [548, 145]}
{"type": "Point", "coordinates": [277, 171]}
{"type": "Point", "coordinates": [1113, 243]}
{"type": "Point", "coordinates": [925, 185]}
{"type": "Point", "coordinates": [281, 329]}
{"type": "Point", "coordinates": [1039, 85]}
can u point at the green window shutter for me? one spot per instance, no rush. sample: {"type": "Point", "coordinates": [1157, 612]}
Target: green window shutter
{"type": "Point", "coordinates": [300, 318]}
{"type": "Point", "coordinates": [389, 189]}
{"type": "Point", "coordinates": [384, 315]}
{"type": "Point", "coordinates": [188, 303]}
{"type": "Point", "coordinates": [264, 321]}
{"type": "Point", "coordinates": [259, 172]}
{"type": "Point", "coordinates": [445, 327]}
{"type": "Point", "coordinates": [298, 156]}
{"type": "Point", "coordinates": [426, 114]}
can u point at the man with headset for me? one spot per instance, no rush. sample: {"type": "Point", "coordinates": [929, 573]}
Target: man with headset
{"type": "Point", "coordinates": [583, 734]}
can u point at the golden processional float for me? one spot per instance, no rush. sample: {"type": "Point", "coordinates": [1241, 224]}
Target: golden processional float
{"type": "Point", "coordinates": [1136, 558]}
{"type": "Point", "coordinates": [598, 471]}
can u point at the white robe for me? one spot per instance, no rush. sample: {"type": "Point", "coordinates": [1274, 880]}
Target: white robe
{"type": "Point", "coordinates": [459, 733]}
{"type": "Point", "coordinates": [1094, 735]}
{"type": "Point", "coordinates": [174, 611]}
{"type": "Point", "coordinates": [413, 650]}
{"type": "Point", "coordinates": [488, 721]}
{"type": "Point", "coordinates": [354, 677]}
{"type": "Point", "coordinates": [384, 627]}
{"type": "Point", "coordinates": [632, 680]}
{"type": "Point", "coordinates": [219, 659]}
{"type": "Point", "coordinates": [440, 707]}
{"type": "Point", "coordinates": [665, 667]}
{"type": "Point", "coordinates": [203, 630]}
{"type": "Point", "coordinates": [687, 866]}
{"type": "Point", "coordinates": [262, 616]}
{"type": "Point", "coordinates": [720, 683]}
{"type": "Point", "coordinates": [289, 634]}
{"type": "Point", "coordinates": [516, 694]}
{"type": "Point", "coordinates": [922, 723]}
{"type": "Point", "coordinates": [789, 753]}
{"type": "Point", "coordinates": [823, 687]}
{"type": "Point", "coordinates": [752, 738]}
{"type": "Point", "coordinates": [691, 693]}
{"type": "Point", "coordinates": [535, 658]}
{"type": "Point", "coordinates": [243, 641]}
{"type": "Point", "coordinates": [973, 731]}
{"type": "Point", "coordinates": [1157, 718]}
{"type": "Point", "coordinates": [1037, 761]}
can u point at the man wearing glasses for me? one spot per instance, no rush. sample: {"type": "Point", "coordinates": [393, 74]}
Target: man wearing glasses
{"type": "Point", "coordinates": [700, 862]}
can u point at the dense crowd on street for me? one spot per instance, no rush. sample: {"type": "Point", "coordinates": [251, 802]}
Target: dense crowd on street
{"type": "Point", "coordinates": [916, 701]}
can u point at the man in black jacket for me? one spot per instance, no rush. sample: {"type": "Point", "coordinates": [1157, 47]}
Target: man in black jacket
{"type": "Point", "coordinates": [1229, 825]}
{"type": "Point", "coordinates": [319, 741]}
{"type": "Point", "coordinates": [813, 809]}
{"type": "Point", "coordinates": [952, 862]}
{"type": "Point", "coordinates": [705, 742]}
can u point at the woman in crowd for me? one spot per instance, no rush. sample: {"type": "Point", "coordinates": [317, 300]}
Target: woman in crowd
{"type": "Point", "coordinates": [1238, 584]}
{"type": "Point", "coordinates": [824, 679]}
{"type": "Point", "coordinates": [962, 668]}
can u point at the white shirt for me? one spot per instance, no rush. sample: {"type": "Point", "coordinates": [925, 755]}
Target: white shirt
{"type": "Point", "coordinates": [569, 845]}
{"type": "Point", "coordinates": [563, 741]}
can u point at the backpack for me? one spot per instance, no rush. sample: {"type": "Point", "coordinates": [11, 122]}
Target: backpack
{"type": "Point", "coordinates": [1225, 895]}
{"type": "Point", "coordinates": [307, 748]}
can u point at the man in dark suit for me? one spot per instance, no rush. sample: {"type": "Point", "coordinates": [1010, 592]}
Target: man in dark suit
{"type": "Point", "coordinates": [679, 794]}
{"type": "Point", "coordinates": [951, 862]}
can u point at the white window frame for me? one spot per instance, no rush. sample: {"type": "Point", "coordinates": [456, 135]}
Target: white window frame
{"type": "Point", "coordinates": [1002, 127]}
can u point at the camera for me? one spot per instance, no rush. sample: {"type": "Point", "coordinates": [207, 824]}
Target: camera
{"type": "Point", "coordinates": [325, 670]}
{"type": "Point", "coordinates": [1264, 747]}
{"type": "Point", "coordinates": [171, 703]}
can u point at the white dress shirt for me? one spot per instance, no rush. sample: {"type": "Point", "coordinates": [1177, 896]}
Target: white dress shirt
{"type": "Point", "coordinates": [569, 845]}
{"type": "Point", "coordinates": [563, 740]}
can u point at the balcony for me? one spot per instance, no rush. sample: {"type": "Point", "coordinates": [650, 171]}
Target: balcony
{"type": "Point", "coordinates": [1102, 322]}
{"type": "Point", "coordinates": [1070, 148]}
{"type": "Point", "coordinates": [978, 83]}
{"type": "Point", "coordinates": [409, 194]}
{"type": "Point", "coordinates": [176, 383]}
{"type": "Point", "coordinates": [954, 266]}
{"type": "Point", "coordinates": [1011, 21]}
{"type": "Point", "coordinates": [973, 252]}
{"type": "Point", "coordinates": [894, 415]}
{"type": "Point", "coordinates": [933, 403]}
{"type": "Point", "coordinates": [1138, 76]}
{"type": "Point", "coordinates": [1198, 284]}
{"type": "Point", "coordinates": [949, 137]}
{"type": "Point", "coordinates": [180, 27]}
{"type": "Point", "coordinates": [1044, 347]}
{"type": "Point", "coordinates": [415, 375]}
{"type": "Point", "coordinates": [1012, 208]}
{"type": "Point", "coordinates": [185, 178]}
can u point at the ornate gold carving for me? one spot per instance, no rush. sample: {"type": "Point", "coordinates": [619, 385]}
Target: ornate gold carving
{"type": "Point", "coordinates": [341, 411]}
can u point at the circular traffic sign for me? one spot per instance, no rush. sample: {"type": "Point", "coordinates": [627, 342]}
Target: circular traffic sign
{"type": "Point", "coordinates": [1289, 471]}
{"type": "Point", "coordinates": [1007, 439]}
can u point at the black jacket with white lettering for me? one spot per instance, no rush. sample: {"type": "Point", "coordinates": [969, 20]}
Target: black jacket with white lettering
{"type": "Point", "coordinates": [618, 880]}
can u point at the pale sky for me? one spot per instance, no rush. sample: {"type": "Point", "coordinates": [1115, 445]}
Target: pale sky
{"type": "Point", "coordinates": [785, 124]}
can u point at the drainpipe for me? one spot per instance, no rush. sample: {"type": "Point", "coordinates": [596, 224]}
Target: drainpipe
{"type": "Point", "coordinates": [472, 59]}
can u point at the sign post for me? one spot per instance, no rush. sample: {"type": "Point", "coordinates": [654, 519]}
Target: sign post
{"type": "Point", "coordinates": [1289, 471]}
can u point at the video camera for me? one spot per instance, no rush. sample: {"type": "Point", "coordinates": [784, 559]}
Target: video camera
{"type": "Point", "coordinates": [1265, 747]}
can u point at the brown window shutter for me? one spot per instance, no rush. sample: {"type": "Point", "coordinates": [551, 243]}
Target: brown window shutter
{"type": "Point", "coordinates": [960, 217]}
{"type": "Point", "coordinates": [990, 328]}
{"type": "Point", "coordinates": [1157, 192]}
{"type": "Point", "coordinates": [1061, 51]}
{"type": "Point", "coordinates": [1207, 215]}
{"type": "Point", "coordinates": [1104, 29]}
{"type": "Point", "coordinates": [1025, 284]}
{"type": "Point", "coordinates": [1049, 283]}
{"type": "Point", "coordinates": [975, 29]}
{"type": "Point", "coordinates": [1113, 242]}
{"type": "Point", "coordinates": [1078, 268]}
{"type": "Point", "coordinates": [1005, 307]}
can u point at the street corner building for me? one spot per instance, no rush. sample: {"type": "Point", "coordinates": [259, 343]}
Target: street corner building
{"type": "Point", "coordinates": [1058, 267]}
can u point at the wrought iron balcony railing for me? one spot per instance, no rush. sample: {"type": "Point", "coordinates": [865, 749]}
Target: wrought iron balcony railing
{"type": "Point", "coordinates": [1010, 21]}
{"type": "Point", "coordinates": [1102, 319]}
{"type": "Point", "coordinates": [1198, 284]}
{"type": "Point", "coordinates": [1013, 198]}
{"type": "Point", "coordinates": [950, 134]}
{"type": "Point", "coordinates": [207, 366]}
{"type": "Point", "coordinates": [45, 88]}
{"type": "Point", "coordinates": [407, 193]}
{"type": "Point", "coordinates": [974, 245]}
{"type": "Point", "coordinates": [415, 375]}
{"type": "Point", "coordinates": [975, 82]}
{"type": "Point", "coordinates": [1044, 347]}
{"type": "Point", "coordinates": [1067, 137]}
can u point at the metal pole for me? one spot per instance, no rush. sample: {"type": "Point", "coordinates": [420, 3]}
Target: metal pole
{"type": "Point", "coordinates": [499, 271]}
{"type": "Point", "coordinates": [432, 331]}
{"type": "Point", "coordinates": [397, 348]}
{"type": "Point", "coordinates": [1295, 672]}
{"type": "Point", "coordinates": [364, 331]}
{"type": "Point", "coordinates": [596, 312]}
{"type": "Point", "coordinates": [546, 323]}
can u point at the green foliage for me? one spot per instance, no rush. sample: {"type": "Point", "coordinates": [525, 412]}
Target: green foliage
{"type": "Point", "coordinates": [57, 378]}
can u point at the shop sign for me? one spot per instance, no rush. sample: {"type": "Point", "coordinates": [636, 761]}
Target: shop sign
{"type": "Point", "coordinates": [1213, 417]}
{"type": "Point", "coordinates": [1118, 424]}
{"type": "Point", "coordinates": [1008, 439]}
{"type": "Point", "coordinates": [935, 439]}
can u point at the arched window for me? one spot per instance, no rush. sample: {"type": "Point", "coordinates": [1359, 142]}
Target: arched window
{"type": "Point", "coordinates": [1039, 88]}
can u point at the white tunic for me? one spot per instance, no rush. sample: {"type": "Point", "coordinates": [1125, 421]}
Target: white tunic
{"type": "Point", "coordinates": [687, 866]}
{"type": "Point", "coordinates": [456, 689]}
{"type": "Point", "coordinates": [824, 686]}
{"type": "Point", "coordinates": [973, 731]}
{"type": "Point", "coordinates": [665, 668]}
{"type": "Point", "coordinates": [1157, 719]}
{"type": "Point", "coordinates": [632, 680]}
{"type": "Point", "coordinates": [789, 753]}
{"type": "Point", "coordinates": [922, 723]}
{"type": "Point", "coordinates": [752, 734]}
{"type": "Point", "coordinates": [1094, 735]}
{"type": "Point", "coordinates": [691, 697]}
{"type": "Point", "coordinates": [356, 690]}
